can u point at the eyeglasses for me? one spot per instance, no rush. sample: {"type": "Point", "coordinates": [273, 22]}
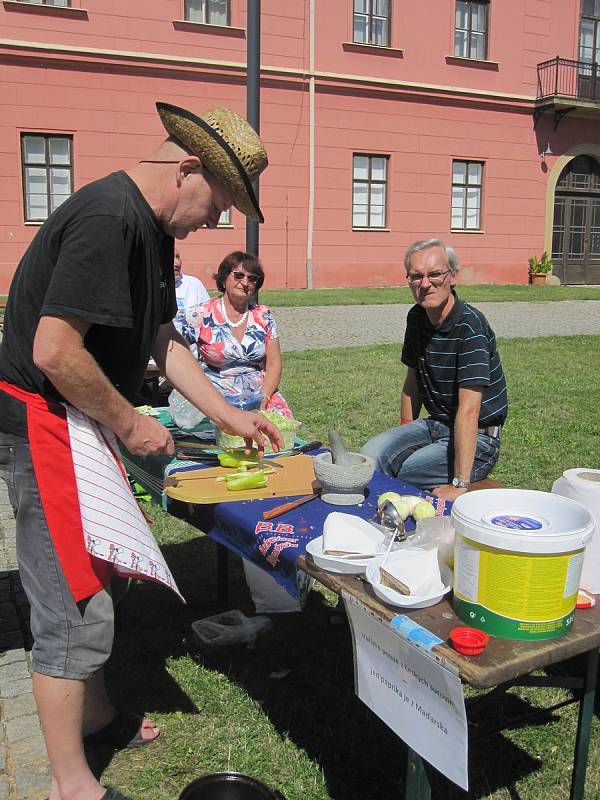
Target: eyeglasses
{"type": "Point", "coordinates": [239, 276]}
{"type": "Point", "coordinates": [435, 278]}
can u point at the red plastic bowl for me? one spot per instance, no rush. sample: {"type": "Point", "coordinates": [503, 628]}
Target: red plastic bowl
{"type": "Point", "coordinates": [468, 641]}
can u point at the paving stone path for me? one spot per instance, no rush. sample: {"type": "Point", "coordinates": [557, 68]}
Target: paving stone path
{"type": "Point", "coordinates": [321, 327]}
{"type": "Point", "coordinates": [24, 773]}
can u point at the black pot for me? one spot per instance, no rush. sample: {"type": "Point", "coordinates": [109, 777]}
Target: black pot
{"type": "Point", "coordinates": [228, 786]}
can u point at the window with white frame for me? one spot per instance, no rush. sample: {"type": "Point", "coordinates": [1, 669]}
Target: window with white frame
{"type": "Point", "coordinates": [225, 218]}
{"type": "Point", "coordinates": [61, 3]}
{"type": "Point", "coordinates": [589, 32]}
{"type": "Point", "coordinates": [467, 185]}
{"type": "Point", "coordinates": [211, 12]}
{"type": "Point", "coordinates": [369, 191]}
{"type": "Point", "coordinates": [372, 22]}
{"type": "Point", "coordinates": [47, 162]}
{"type": "Point", "coordinates": [471, 29]}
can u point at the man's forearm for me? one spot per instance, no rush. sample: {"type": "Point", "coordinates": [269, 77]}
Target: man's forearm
{"type": "Point", "coordinates": [465, 443]}
{"type": "Point", "coordinates": [82, 383]}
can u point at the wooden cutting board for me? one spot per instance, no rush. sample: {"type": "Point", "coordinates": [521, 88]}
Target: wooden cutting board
{"type": "Point", "coordinates": [296, 477]}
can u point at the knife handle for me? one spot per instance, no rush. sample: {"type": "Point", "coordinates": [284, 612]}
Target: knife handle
{"type": "Point", "coordinates": [285, 507]}
{"type": "Point", "coordinates": [306, 448]}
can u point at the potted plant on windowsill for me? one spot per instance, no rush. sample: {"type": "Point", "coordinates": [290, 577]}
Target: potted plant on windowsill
{"type": "Point", "coordinates": [539, 268]}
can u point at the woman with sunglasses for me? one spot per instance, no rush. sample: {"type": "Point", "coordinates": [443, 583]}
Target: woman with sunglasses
{"type": "Point", "coordinates": [237, 339]}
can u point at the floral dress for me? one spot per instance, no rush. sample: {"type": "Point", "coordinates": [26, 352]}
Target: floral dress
{"type": "Point", "coordinates": [237, 369]}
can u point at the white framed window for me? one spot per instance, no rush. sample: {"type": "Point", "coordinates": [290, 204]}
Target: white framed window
{"type": "Point", "coordinates": [47, 162]}
{"type": "Point", "coordinates": [371, 22]}
{"type": "Point", "coordinates": [210, 12]}
{"type": "Point", "coordinates": [471, 29]}
{"type": "Point", "coordinates": [225, 218]}
{"type": "Point", "coordinates": [467, 186]}
{"type": "Point", "coordinates": [61, 3]}
{"type": "Point", "coordinates": [369, 190]}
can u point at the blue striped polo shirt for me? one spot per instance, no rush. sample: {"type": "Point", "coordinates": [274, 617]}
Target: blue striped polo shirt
{"type": "Point", "coordinates": [460, 352]}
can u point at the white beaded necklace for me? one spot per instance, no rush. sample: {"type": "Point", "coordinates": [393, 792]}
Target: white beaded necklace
{"type": "Point", "coordinates": [231, 324]}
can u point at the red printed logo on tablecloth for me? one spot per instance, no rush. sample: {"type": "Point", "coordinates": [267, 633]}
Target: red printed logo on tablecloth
{"type": "Point", "coordinates": [279, 527]}
{"type": "Point", "coordinates": [274, 555]}
{"type": "Point", "coordinates": [438, 504]}
{"type": "Point", "coordinates": [276, 541]}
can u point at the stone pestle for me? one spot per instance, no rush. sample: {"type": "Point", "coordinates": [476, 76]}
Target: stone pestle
{"type": "Point", "coordinates": [339, 453]}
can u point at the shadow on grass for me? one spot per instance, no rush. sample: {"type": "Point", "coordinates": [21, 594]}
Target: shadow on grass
{"type": "Point", "coordinates": [313, 704]}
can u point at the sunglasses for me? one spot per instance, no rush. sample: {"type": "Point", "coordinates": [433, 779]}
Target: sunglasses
{"type": "Point", "coordinates": [239, 276]}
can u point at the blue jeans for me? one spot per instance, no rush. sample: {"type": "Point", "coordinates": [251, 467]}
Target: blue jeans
{"type": "Point", "coordinates": [422, 453]}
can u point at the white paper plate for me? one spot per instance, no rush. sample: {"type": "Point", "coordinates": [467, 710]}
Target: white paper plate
{"type": "Point", "coordinates": [341, 566]}
{"type": "Point", "coordinates": [402, 600]}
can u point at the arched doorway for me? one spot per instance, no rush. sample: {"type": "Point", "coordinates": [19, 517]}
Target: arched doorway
{"type": "Point", "coordinates": [576, 226]}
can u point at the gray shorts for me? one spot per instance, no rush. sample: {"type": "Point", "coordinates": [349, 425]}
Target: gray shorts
{"type": "Point", "coordinates": [71, 640]}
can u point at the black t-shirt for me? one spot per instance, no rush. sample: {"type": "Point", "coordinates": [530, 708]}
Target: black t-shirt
{"type": "Point", "coordinates": [100, 257]}
{"type": "Point", "coordinates": [460, 352]}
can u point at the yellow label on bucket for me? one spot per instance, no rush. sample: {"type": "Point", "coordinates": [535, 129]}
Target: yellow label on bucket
{"type": "Point", "coordinates": [534, 588]}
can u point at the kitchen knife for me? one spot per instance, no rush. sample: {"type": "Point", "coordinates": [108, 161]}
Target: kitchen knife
{"type": "Point", "coordinates": [285, 507]}
{"type": "Point", "coordinates": [306, 448]}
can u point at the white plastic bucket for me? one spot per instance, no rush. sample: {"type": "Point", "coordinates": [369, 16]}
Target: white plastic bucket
{"type": "Point", "coordinates": [583, 485]}
{"type": "Point", "coordinates": [517, 561]}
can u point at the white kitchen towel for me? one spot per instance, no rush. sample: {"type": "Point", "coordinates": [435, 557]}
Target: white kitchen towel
{"type": "Point", "coordinates": [114, 527]}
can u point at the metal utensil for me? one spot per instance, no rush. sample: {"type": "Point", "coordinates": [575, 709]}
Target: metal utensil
{"type": "Point", "coordinates": [390, 518]}
{"type": "Point", "coordinates": [269, 462]}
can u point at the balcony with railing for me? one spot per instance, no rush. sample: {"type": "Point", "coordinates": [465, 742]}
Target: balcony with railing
{"type": "Point", "coordinates": [565, 86]}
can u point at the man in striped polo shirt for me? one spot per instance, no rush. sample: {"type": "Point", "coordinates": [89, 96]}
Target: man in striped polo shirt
{"type": "Point", "coordinates": [454, 370]}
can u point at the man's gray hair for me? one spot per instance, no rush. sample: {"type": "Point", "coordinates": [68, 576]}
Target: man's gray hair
{"type": "Point", "coordinates": [425, 244]}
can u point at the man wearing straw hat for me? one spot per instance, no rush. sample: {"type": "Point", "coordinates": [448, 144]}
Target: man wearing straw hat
{"type": "Point", "coordinates": [92, 299]}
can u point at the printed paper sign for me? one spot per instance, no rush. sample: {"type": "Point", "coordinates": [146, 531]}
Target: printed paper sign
{"type": "Point", "coordinates": [416, 695]}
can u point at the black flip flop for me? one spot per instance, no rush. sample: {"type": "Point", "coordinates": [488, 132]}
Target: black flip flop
{"type": "Point", "coordinates": [122, 732]}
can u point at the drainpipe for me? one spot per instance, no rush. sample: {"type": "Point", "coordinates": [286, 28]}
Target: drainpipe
{"type": "Point", "coordinates": [311, 144]}
{"type": "Point", "coordinates": [253, 101]}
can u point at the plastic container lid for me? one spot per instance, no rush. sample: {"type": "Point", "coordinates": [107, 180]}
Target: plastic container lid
{"type": "Point", "coordinates": [468, 641]}
{"type": "Point", "coordinates": [585, 599]}
{"type": "Point", "coordinates": [523, 521]}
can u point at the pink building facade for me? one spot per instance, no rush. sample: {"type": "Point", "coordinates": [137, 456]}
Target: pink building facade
{"type": "Point", "coordinates": [384, 123]}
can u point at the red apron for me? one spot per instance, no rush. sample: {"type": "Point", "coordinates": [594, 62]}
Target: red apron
{"type": "Point", "coordinates": [50, 446]}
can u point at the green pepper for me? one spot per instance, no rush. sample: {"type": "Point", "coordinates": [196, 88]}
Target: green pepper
{"type": "Point", "coordinates": [251, 480]}
{"type": "Point", "coordinates": [238, 459]}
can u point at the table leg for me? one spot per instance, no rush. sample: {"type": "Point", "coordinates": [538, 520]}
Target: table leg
{"type": "Point", "coordinates": [417, 781]}
{"type": "Point", "coordinates": [222, 575]}
{"type": "Point", "coordinates": [584, 725]}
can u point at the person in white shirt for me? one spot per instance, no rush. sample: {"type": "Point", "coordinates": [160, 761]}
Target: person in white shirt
{"type": "Point", "coordinates": [190, 293]}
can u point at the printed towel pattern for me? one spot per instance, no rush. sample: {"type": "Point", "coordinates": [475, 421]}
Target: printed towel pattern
{"type": "Point", "coordinates": [113, 525]}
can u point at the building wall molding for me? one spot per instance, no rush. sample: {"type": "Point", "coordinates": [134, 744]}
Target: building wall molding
{"type": "Point", "coordinates": [45, 51]}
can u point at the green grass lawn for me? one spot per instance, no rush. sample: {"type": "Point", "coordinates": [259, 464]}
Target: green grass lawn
{"type": "Point", "coordinates": [476, 293]}
{"type": "Point", "coordinates": [306, 733]}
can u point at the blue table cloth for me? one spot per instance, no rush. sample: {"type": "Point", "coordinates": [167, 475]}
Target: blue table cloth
{"type": "Point", "coordinates": [272, 545]}
{"type": "Point", "coordinates": [275, 545]}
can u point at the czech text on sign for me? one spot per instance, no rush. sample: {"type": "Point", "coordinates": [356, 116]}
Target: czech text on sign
{"type": "Point", "coordinates": [418, 697]}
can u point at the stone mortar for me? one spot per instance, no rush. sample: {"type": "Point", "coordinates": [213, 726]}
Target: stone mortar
{"type": "Point", "coordinates": [343, 484]}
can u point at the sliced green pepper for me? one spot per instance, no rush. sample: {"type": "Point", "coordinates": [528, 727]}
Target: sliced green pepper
{"type": "Point", "coordinates": [238, 459]}
{"type": "Point", "coordinates": [252, 480]}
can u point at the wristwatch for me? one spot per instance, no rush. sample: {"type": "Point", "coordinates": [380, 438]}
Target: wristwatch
{"type": "Point", "coordinates": [458, 483]}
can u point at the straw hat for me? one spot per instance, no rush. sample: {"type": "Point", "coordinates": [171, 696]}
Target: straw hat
{"type": "Point", "coordinates": [228, 146]}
